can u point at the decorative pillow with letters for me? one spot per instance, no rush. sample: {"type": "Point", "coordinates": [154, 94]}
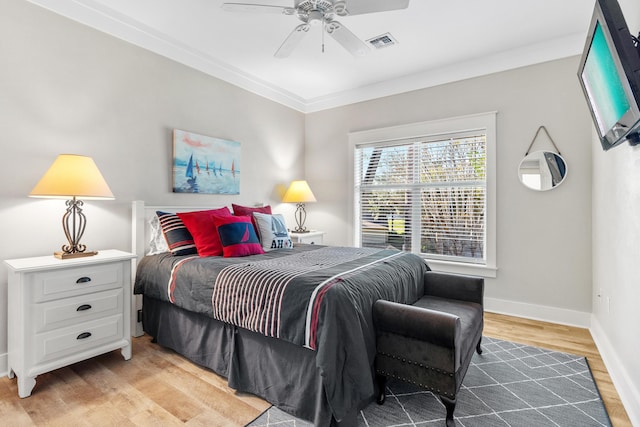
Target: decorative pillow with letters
{"type": "Point", "coordinates": [272, 231]}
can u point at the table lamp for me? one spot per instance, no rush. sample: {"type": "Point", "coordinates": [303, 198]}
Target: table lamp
{"type": "Point", "coordinates": [72, 177]}
{"type": "Point", "coordinates": [299, 193]}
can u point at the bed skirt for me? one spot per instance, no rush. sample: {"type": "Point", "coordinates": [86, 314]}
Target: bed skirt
{"type": "Point", "coordinates": [282, 373]}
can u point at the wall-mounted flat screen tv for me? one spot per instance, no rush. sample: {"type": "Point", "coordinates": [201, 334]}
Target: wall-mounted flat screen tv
{"type": "Point", "coordinates": [610, 75]}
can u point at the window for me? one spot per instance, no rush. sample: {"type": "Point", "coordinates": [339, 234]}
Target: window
{"type": "Point", "coordinates": [429, 188]}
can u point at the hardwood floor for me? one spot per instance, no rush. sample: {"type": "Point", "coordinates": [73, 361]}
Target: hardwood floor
{"type": "Point", "coordinates": [156, 387]}
{"type": "Point", "coordinates": [160, 388]}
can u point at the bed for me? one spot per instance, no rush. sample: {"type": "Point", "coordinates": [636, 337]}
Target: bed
{"type": "Point", "coordinates": [291, 326]}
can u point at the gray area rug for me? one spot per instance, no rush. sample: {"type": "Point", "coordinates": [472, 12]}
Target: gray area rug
{"type": "Point", "coordinates": [508, 385]}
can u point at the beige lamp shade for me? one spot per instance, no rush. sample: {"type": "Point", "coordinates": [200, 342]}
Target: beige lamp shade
{"type": "Point", "coordinates": [72, 175]}
{"type": "Point", "coordinates": [298, 192]}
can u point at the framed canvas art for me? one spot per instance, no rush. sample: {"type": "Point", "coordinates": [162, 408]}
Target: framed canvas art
{"type": "Point", "coordinates": [204, 164]}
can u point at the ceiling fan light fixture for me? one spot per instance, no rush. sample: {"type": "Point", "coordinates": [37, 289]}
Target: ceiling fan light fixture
{"type": "Point", "coordinates": [316, 17]}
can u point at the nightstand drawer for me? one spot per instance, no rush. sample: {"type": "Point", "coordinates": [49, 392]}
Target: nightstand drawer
{"type": "Point", "coordinates": [72, 340]}
{"type": "Point", "coordinates": [76, 310]}
{"type": "Point", "coordinates": [77, 281]}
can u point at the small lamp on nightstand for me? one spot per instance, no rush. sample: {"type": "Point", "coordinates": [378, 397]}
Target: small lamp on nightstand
{"type": "Point", "coordinates": [299, 193]}
{"type": "Point", "coordinates": [72, 177]}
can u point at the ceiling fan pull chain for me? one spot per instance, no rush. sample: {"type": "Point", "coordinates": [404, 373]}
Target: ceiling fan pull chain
{"type": "Point", "coordinates": [322, 31]}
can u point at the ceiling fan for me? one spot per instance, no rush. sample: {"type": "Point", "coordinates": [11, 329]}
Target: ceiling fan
{"type": "Point", "coordinates": [322, 12]}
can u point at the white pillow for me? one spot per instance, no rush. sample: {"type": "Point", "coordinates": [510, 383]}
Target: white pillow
{"type": "Point", "coordinates": [157, 242]}
{"type": "Point", "coordinates": [272, 231]}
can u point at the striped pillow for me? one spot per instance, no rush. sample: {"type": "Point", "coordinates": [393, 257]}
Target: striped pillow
{"type": "Point", "coordinates": [178, 238]}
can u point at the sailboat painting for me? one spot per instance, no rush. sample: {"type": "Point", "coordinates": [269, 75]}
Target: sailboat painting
{"type": "Point", "coordinates": [205, 164]}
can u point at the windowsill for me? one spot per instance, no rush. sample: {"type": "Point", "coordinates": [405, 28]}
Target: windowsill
{"type": "Point", "coordinates": [462, 268]}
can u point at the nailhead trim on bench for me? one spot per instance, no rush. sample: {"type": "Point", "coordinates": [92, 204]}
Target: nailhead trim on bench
{"type": "Point", "coordinates": [411, 362]}
{"type": "Point", "coordinates": [387, 374]}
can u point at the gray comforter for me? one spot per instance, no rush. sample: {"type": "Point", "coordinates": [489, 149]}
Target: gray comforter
{"type": "Point", "coordinates": [314, 296]}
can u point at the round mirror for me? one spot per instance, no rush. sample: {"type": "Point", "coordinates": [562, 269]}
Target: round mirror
{"type": "Point", "coordinates": [542, 170]}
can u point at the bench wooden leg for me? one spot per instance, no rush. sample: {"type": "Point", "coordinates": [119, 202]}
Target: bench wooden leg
{"type": "Point", "coordinates": [450, 405]}
{"type": "Point", "coordinates": [382, 384]}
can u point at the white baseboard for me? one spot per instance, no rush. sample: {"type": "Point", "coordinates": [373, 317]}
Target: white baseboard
{"type": "Point", "coordinates": [628, 392]}
{"type": "Point", "coordinates": [563, 316]}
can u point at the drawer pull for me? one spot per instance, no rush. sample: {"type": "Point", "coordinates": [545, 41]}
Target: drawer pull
{"type": "Point", "coordinates": [84, 307]}
{"type": "Point", "coordinates": [83, 335]}
{"type": "Point", "coordinates": [84, 279]}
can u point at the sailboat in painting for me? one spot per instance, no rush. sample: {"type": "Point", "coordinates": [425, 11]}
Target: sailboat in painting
{"type": "Point", "coordinates": [192, 186]}
{"type": "Point", "coordinates": [191, 179]}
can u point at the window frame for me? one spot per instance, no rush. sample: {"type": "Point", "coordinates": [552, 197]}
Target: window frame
{"type": "Point", "coordinates": [484, 122]}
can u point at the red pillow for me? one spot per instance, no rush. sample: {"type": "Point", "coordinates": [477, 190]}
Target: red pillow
{"type": "Point", "coordinates": [237, 235]}
{"type": "Point", "coordinates": [203, 230]}
{"type": "Point", "coordinates": [247, 211]}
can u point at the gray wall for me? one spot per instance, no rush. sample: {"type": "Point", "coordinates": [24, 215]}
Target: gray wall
{"type": "Point", "coordinates": [65, 88]}
{"type": "Point", "coordinates": [616, 258]}
{"type": "Point", "coordinates": [544, 238]}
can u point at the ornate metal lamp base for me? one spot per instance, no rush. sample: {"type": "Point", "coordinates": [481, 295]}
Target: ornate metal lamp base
{"type": "Point", "coordinates": [301, 216]}
{"type": "Point", "coordinates": [73, 224]}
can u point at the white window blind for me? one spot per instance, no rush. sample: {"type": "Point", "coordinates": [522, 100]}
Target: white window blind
{"type": "Point", "coordinates": [424, 195]}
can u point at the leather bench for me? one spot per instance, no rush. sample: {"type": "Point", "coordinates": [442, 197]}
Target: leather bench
{"type": "Point", "coordinates": [430, 343]}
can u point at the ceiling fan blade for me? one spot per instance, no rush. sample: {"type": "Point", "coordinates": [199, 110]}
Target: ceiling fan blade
{"type": "Point", "coordinates": [360, 7]}
{"type": "Point", "coordinates": [257, 8]}
{"type": "Point", "coordinates": [346, 38]}
{"type": "Point", "coordinates": [292, 41]}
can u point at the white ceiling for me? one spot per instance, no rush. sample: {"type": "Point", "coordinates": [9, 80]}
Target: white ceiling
{"type": "Point", "coordinates": [438, 42]}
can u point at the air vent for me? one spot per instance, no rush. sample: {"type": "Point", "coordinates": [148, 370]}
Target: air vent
{"type": "Point", "coordinates": [384, 40]}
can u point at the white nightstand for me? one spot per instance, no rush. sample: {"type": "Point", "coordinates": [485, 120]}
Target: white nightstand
{"type": "Point", "coordinates": [63, 311]}
{"type": "Point", "coordinates": [313, 237]}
